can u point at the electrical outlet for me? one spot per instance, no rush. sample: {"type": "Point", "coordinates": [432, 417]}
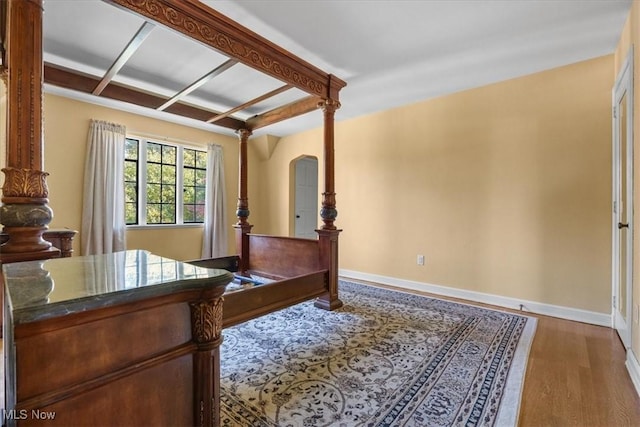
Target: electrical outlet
{"type": "Point", "coordinates": [420, 260]}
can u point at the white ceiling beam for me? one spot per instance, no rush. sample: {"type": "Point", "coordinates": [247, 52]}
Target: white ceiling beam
{"type": "Point", "coordinates": [249, 103]}
{"type": "Point", "coordinates": [128, 51]}
{"type": "Point", "coordinates": [195, 85]}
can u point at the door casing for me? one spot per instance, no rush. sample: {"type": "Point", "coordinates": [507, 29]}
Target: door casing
{"type": "Point", "coordinates": [622, 212]}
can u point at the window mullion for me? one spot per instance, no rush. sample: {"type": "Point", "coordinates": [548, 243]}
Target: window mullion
{"type": "Point", "coordinates": [142, 190]}
{"type": "Point", "coordinates": [180, 186]}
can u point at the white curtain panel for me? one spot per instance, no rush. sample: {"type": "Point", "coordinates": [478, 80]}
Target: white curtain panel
{"type": "Point", "coordinates": [103, 223]}
{"type": "Point", "coordinates": [214, 242]}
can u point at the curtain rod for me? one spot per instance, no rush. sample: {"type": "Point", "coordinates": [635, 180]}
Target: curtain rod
{"type": "Point", "coordinates": [166, 138]}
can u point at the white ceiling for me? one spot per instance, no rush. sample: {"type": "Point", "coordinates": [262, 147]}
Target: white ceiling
{"type": "Point", "coordinates": [390, 53]}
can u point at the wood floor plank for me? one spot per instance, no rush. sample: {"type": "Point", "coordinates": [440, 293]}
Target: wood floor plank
{"type": "Point", "coordinates": [576, 375]}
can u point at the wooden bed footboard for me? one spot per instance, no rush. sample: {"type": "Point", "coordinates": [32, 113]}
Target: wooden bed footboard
{"type": "Point", "coordinates": [297, 267]}
{"type": "Point", "coordinates": [248, 304]}
{"type": "Point", "coordinates": [283, 256]}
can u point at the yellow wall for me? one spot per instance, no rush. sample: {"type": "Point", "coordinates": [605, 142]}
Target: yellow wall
{"type": "Point", "coordinates": [276, 180]}
{"type": "Point", "coordinates": [505, 189]}
{"type": "Point", "coordinates": [628, 38]}
{"type": "Point", "coordinates": [65, 135]}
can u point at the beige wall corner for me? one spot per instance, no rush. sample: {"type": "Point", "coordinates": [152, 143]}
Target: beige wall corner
{"type": "Point", "coordinates": [264, 145]}
{"type": "Point", "coordinates": [504, 189]}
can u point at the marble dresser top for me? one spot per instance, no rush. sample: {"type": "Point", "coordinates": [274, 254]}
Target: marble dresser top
{"type": "Point", "coordinates": [38, 290]}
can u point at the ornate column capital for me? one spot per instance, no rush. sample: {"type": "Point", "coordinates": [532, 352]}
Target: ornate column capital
{"type": "Point", "coordinates": [25, 183]}
{"type": "Point", "coordinates": [206, 321]}
{"type": "Point", "coordinates": [244, 134]}
{"type": "Point", "coordinates": [329, 105]}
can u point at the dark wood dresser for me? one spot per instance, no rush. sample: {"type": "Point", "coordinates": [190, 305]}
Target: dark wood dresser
{"type": "Point", "coordinates": [124, 339]}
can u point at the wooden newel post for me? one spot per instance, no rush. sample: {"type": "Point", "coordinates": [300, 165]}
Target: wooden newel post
{"type": "Point", "coordinates": [328, 233]}
{"type": "Point", "coordinates": [243, 228]}
{"type": "Point", "coordinates": [25, 214]}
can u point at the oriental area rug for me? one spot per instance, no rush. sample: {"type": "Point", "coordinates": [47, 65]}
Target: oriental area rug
{"type": "Point", "coordinates": [386, 358]}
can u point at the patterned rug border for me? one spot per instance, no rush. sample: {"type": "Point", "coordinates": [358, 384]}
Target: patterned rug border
{"type": "Point", "coordinates": [510, 405]}
{"type": "Point", "coordinates": [276, 389]}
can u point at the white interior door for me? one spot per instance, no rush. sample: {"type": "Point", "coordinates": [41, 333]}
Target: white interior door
{"type": "Point", "coordinates": [306, 197]}
{"type": "Point", "coordinates": [623, 201]}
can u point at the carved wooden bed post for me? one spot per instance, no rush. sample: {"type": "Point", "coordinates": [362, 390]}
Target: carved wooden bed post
{"type": "Point", "coordinates": [328, 233]}
{"type": "Point", "coordinates": [206, 325]}
{"type": "Point", "coordinates": [243, 228]}
{"type": "Point", "coordinates": [25, 213]}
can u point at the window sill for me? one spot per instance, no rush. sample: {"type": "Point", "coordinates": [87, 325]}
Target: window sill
{"type": "Point", "coordinates": [163, 226]}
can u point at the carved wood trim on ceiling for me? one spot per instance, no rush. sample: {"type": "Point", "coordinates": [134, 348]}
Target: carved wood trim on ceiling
{"type": "Point", "coordinates": [208, 26]}
{"type": "Point", "coordinates": [205, 25]}
{"type": "Point", "coordinates": [64, 78]}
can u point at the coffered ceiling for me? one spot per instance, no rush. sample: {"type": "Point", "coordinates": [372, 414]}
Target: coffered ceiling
{"type": "Point", "coordinates": [390, 53]}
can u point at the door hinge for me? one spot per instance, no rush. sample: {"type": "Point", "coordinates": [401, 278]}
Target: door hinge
{"type": "Point", "coordinates": [615, 115]}
{"type": "Point", "coordinates": [618, 206]}
{"type": "Point", "coordinates": [614, 302]}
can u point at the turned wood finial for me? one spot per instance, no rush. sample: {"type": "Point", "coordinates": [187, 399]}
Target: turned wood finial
{"type": "Point", "coordinates": [242, 211]}
{"type": "Point", "coordinates": [328, 213]}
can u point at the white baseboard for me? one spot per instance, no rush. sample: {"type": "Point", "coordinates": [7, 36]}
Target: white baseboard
{"type": "Point", "coordinates": [634, 370]}
{"type": "Point", "coordinates": [576, 314]}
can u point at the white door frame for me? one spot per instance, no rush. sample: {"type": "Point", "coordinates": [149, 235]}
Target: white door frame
{"type": "Point", "coordinates": [623, 86]}
{"type": "Point", "coordinates": [306, 198]}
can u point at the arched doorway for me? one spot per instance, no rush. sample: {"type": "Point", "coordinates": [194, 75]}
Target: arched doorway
{"type": "Point", "coordinates": [306, 197]}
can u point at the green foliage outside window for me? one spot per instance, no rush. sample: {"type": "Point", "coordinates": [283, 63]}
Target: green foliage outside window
{"type": "Point", "coordinates": [194, 185]}
{"type": "Point", "coordinates": [160, 172]}
{"type": "Point", "coordinates": [161, 183]}
{"type": "Point", "coordinates": [131, 181]}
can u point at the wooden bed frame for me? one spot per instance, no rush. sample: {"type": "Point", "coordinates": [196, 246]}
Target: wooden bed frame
{"type": "Point", "coordinates": [296, 269]}
{"type": "Point", "coordinates": [286, 259]}
{"type": "Point", "coordinates": [283, 271]}
{"type": "Point", "coordinates": [302, 269]}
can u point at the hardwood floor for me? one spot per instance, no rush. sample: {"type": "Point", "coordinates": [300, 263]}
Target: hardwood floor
{"type": "Point", "coordinates": [576, 377]}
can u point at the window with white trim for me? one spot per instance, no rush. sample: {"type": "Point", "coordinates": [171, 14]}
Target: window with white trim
{"type": "Point", "coordinates": [164, 183]}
